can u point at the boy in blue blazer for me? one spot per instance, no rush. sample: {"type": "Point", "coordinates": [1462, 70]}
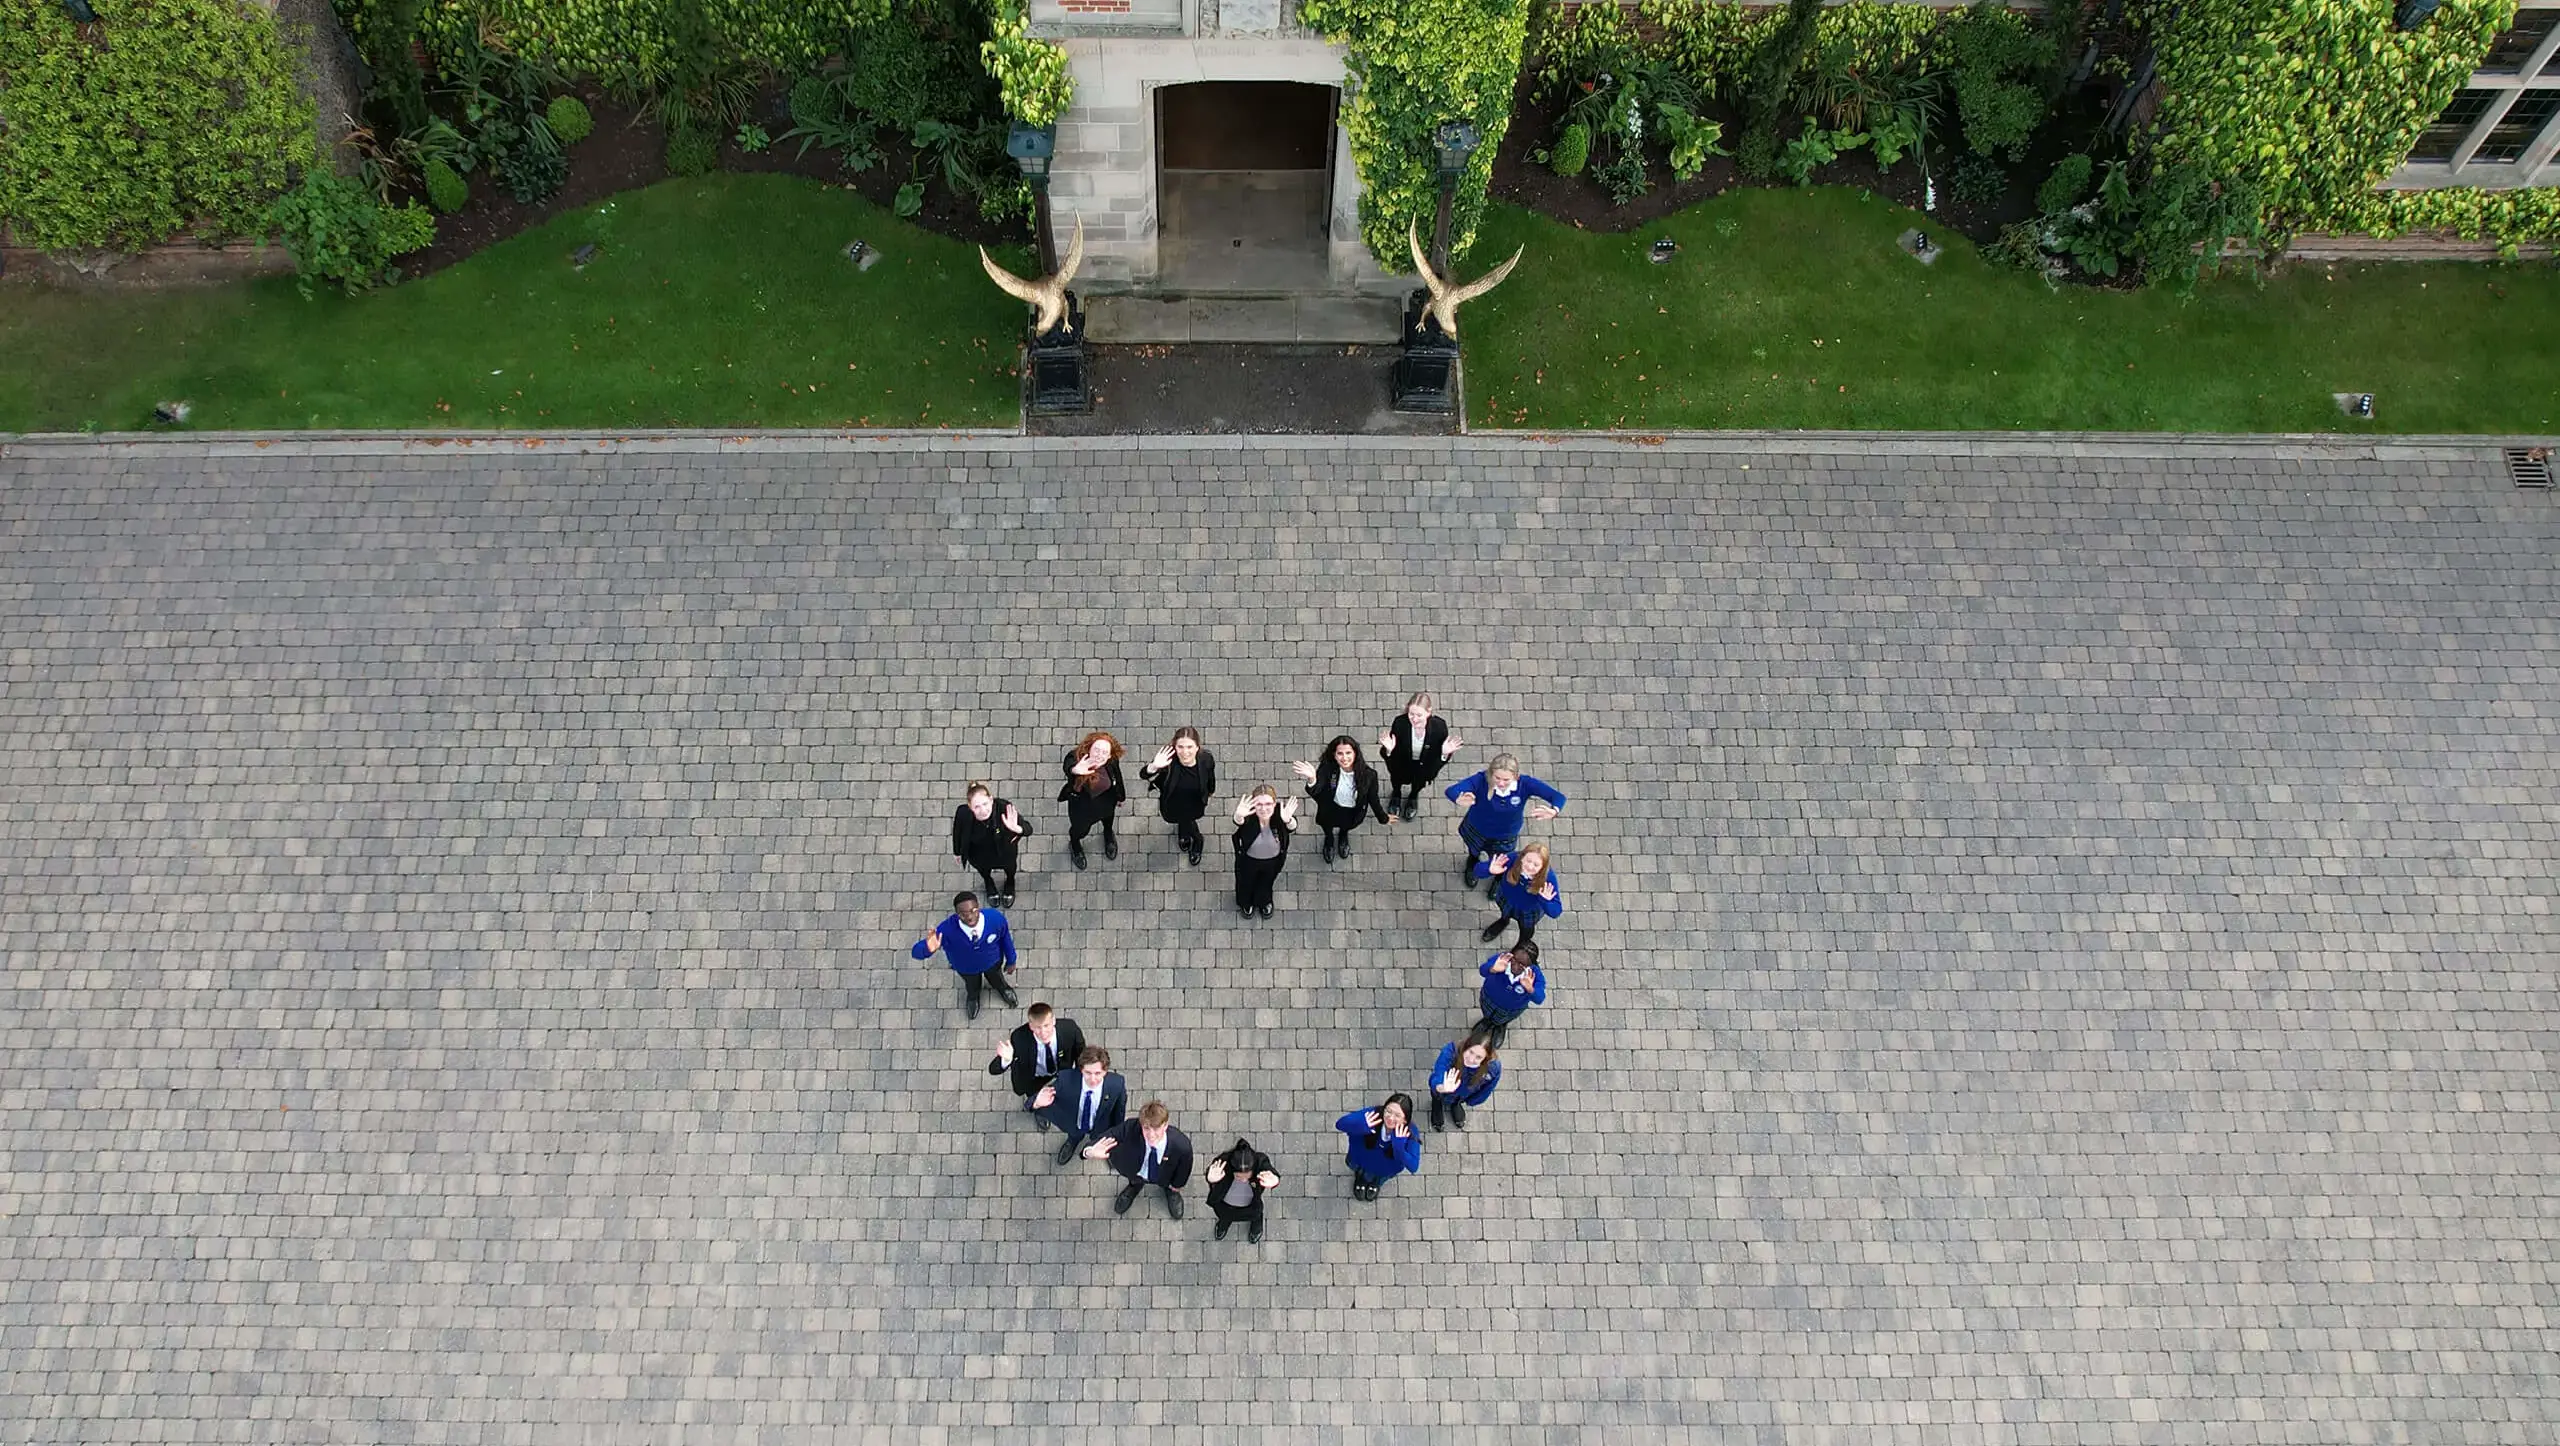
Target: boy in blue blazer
{"type": "Point", "coordinates": [1087, 1105]}
{"type": "Point", "coordinates": [978, 945]}
{"type": "Point", "coordinates": [1499, 802]}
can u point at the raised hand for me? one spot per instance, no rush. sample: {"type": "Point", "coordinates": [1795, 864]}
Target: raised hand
{"type": "Point", "coordinates": [1449, 749]}
{"type": "Point", "coordinates": [932, 940]}
{"type": "Point", "coordinates": [1500, 862]}
{"type": "Point", "coordinates": [1164, 760]}
{"type": "Point", "coordinates": [1099, 1148]}
{"type": "Point", "coordinates": [1004, 1054]}
{"type": "Point", "coordinates": [1048, 1096]}
{"type": "Point", "coordinates": [1013, 818]}
{"type": "Point", "coordinates": [1387, 741]}
{"type": "Point", "coordinates": [1217, 1171]}
{"type": "Point", "coordinates": [1448, 1083]}
{"type": "Point", "coordinates": [1467, 799]}
{"type": "Point", "coordinates": [1549, 892]}
{"type": "Point", "coordinates": [1306, 771]}
{"type": "Point", "coordinates": [1372, 1118]}
{"type": "Point", "coordinates": [1540, 810]}
{"type": "Point", "coordinates": [1268, 1178]}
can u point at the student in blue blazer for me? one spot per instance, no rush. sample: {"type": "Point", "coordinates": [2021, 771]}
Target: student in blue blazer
{"type": "Point", "coordinates": [1383, 1145]}
{"type": "Point", "coordinates": [1526, 889]}
{"type": "Point", "coordinates": [1087, 1105]}
{"type": "Point", "coordinates": [977, 944]}
{"type": "Point", "coordinates": [1513, 985]}
{"type": "Point", "coordinates": [1463, 1075]}
{"type": "Point", "coordinates": [1499, 802]}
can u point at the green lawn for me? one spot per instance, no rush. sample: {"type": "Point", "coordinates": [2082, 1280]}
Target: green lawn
{"type": "Point", "coordinates": [1795, 309]}
{"type": "Point", "coordinates": [721, 302]}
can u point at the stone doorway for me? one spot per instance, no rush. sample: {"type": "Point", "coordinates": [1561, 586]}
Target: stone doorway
{"type": "Point", "coordinates": [1244, 183]}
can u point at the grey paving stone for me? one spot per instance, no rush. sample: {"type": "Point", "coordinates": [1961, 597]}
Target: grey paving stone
{"type": "Point", "coordinates": [2059, 941]}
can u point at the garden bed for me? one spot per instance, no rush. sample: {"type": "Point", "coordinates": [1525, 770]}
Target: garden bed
{"type": "Point", "coordinates": [625, 154]}
{"type": "Point", "coordinates": [1578, 201]}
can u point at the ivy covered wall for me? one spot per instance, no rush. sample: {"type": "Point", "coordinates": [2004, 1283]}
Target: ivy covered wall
{"type": "Point", "coordinates": [168, 116]}
{"type": "Point", "coordinates": [2314, 102]}
{"type": "Point", "coordinates": [1415, 64]}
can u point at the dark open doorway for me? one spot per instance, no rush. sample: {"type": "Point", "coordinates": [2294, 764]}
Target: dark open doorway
{"type": "Point", "coordinates": [1244, 183]}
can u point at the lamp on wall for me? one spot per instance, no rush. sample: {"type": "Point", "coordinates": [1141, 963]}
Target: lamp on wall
{"type": "Point", "coordinates": [2413, 13]}
{"type": "Point", "coordinates": [1033, 148]}
{"type": "Point", "coordinates": [1457, 141]}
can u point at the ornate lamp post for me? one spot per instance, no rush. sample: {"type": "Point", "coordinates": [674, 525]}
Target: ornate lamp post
{"type": "Point", "coordinates": [1426, 375]}
{"type": "Point", "coordinates": [1457, 141]}
{"type": "Point", "coordinates": [1056, 362]}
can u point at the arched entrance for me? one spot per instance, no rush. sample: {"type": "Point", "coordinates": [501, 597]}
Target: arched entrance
{"type": "Point", "coordinates": [1244, 185]}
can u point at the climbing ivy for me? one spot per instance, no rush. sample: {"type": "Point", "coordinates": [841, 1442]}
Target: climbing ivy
{"type": "Point", "coordinates": [1030, 74]}
{"type": "Point", "coordinates": [2311, 102]}
{"type": "Point", "coordinates": [1413, 65]}
{"type": "Point", "coordinates": [173, 115]}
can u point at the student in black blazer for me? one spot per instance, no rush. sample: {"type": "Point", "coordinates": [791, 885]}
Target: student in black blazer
{"type": "Point", "coordinates": [1183, 776]}
{"type": "Point", "coordinates": [1092, 793]}
{"type": "Point", "coordinates": [1236, 1182]}
{"type": "Point", "coordinates": [1263, 826]}
{"type": "Point", "coordinates": [1086, 1105]}
{"type": "Point", "coordinates": [1147, 1151]}
{"type": "Point", "coordinates": [1040, 1049]}
{"type": "Point", "coordinates": [987, 835]}
{"type": "Point", "coordinates": [1345, 788]}
{"type": "Point", "coordinates": [1417, 742]}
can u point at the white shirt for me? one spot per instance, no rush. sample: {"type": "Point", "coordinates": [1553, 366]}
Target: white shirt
{"type": "Point", "coordinates": [1048, 1057]}
{"type": "Point", "coordinates": [1091, 1107]}
{"type": "Point", "coordinates": [1345, 789]}
{"type": "Point", "coordinates": [1147, 1166]}
{"type": "Point", "coordinates": [977, 930]}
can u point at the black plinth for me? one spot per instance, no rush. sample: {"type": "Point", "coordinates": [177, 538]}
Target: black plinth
{"type": "Point", "coordinates": [1426, 375]}
{"type": "Point", "coordinates": [1058, 382]}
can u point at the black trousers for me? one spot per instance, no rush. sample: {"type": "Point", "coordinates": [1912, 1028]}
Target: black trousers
{"type": "Point", "coordinates": [1219, 1207]}
{"type": "Point", "coordinates": [1405, 783]}
{"type": "Point", "coordinates": [1254, 878]}
{"type": "Point", "coordinates": [1494, 1025]}
{"type": "Point", "coordinates": [1528, 925]}
{"type": "Point", "coordinates": [1186, 832]}
{"type": "Point", "coordinates": [990, 865]}
{"type": "Point", "coordinates": [1338, 823]}
{"type": "Point", "coordinates": [978, 984]}
{"type": "Point", "coordinates": [1083, 814]}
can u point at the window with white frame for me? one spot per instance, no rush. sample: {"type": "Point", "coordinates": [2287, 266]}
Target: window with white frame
{"type": "Point", "coordinates": [2501, 129]}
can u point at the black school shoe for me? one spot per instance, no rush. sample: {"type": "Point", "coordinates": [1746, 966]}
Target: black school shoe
{"type": "Point", "coordinates": [1194, 852]}
{"type": "Point", "coordinates": [1075, 855]}
{"type": "Point", "coordinates": [1068, 1150]}
{"type": "Point", "coordinates": [1128, 1196]}
{"type": "Point", "coordinates": [1266, 911]}
{"type": "Point", "coordinates": [1328, 851]}
{"type": "Point", "coordinates": [1253, 1231]}
{"type": "Point", "coordinates": [1111, 846]}
{"type": "Point", "coordinates": [1221, 1232]}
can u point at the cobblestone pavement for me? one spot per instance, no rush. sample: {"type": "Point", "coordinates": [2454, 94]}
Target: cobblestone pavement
{"type": "Point", "coordinates": [2059, 943]}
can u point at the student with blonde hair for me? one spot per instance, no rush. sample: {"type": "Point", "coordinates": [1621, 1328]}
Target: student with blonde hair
{"type": "Point", "coordinates": [1263, 826]}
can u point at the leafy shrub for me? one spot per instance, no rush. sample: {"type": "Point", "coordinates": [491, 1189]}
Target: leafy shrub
{"type": "Point", "coordinates": [336, 231]}
{"type": "Point", "coordinates": [1769, 84]}
{"type": "Point", "coordinates": [1994, 63]}
{"type": "Point", "coordinates": [691, 151]}
{"type": "Point", "coordinates": [569, 119]}
{"type": "Point", "coordinates": [1897, 134]}
{"type": "Point", "coordinates": [2098, 235]}
{"type": "Point", "coordinates": [909, 201]}
{"type": "Point", "coordinates": [1572, 151]}
{"type": "Point", "coordinates": [446, 190]}
{"type": "Point", "coordinates": [819, 118]}
{"type": "Point", "coordinates": [2018, 248]}
{"type": "Point", "coordinates": [1977, 179]}
{"type": "Point", "coordinates": [535, 170]}
{"type": "Point", "coordinates": [1623, 176]}
{"type": "Point", "coordinates": [1814, 149]}
{"type": "Point", "coordinates": [1692, 140]}
{"type": "Point", "coordinates": [2186, 217]}
{"type": "Point", "coordinates": [2069, 182]}
{"type": "Point", "coordinates": [188, 117]}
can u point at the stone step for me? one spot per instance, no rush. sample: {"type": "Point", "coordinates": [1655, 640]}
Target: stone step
{"type": "Point", "coordinates": [1123, 319]}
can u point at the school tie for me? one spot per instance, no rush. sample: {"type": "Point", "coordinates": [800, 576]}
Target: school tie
{"type": "Point", "coordinates": [1148, 1171]}
{"type": "Point", "coordinates": [1048, 1065]}
{"type": "Point", "coordinates": [1084, 1122]}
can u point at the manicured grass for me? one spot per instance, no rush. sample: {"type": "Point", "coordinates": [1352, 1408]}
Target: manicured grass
{"type": "Point", "coordinates": [1792, 309]}
{"type": "Point", "coordinates": [720, 302]}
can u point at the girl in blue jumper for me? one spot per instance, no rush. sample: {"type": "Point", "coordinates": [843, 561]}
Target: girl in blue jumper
{"type": "Point", "coordinates": [1525, 889]}
{"type": "Point", "coordinates": [1383, 1145]}
{"type": "Point", "coordinates": [1464, 1075]}
{"type": "Point", "coordinates": [1513, 985]}
{"type": "Point", "coordinates": [1498, 801]}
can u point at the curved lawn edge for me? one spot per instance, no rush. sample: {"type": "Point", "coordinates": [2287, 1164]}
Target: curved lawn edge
{"type": "Point", "coordinates": [718, 302]}
{"type": "Point", "coordinates": [1589, 335]}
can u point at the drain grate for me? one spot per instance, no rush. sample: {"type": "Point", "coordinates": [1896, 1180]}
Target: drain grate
{"type": "Point", "coordinates": [2530, 466]}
